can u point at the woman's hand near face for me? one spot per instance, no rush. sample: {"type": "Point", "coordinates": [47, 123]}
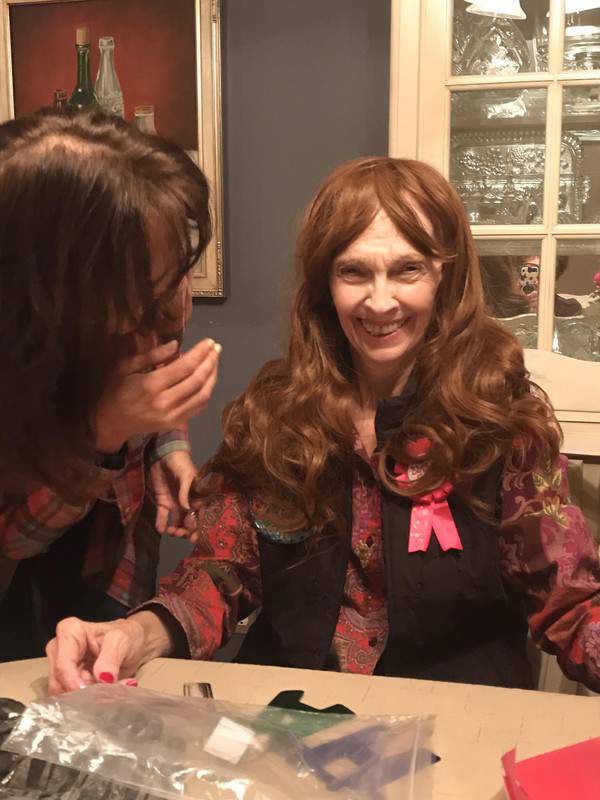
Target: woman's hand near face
{"type": "Point", "coordinates": [83, 653]}
{"type": "Point", "coordinates": [138, 401]}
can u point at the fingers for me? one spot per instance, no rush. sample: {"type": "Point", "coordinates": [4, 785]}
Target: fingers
{"type": "Point", "coordinates": [179, 415]}
{"type": "Point", "coordinates": [115, 649]}
{"type": "Point", "coordinates": [152, 358]}
{"type": "Point", "coordinates": [162, 518]}
{"type": "Point", "coordinates": [177, 371]}
{"type": "Point", "coordinates": [196, 397]}
{"type": "Point", "coordinates": [178, 533]}
{"type": "Point", "coordinates": [129, 682]}
{"type": "Point", "coordinates": [187, 527]}
{"type": "Point", "coordinates": [183, 524]}
{"type": "Point", "coordinates": [190, 521]}
{"type": "Point", "coordinates": [54, 686]}
{"type": "Point", "coordinates": [87, 677]}
{"type": "Point", "coordinates": [185, 482]}
{"type": "Point", "coordinates": [171, 480]}
{"type": "Point", "coordinates": [175, 521]}
{"type": "Point", "coordinates": [85, 652]}
{"type": "Point", "coordinates": [66, 654]}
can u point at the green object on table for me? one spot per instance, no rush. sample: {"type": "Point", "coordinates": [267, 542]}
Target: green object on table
{"type": "Point", "coordinates": [310, 721]}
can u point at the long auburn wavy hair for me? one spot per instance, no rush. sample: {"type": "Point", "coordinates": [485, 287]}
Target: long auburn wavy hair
{"type": "Point", "coordinates": [84, 199]}
{"type": "Point", "coordinates": [289, 438]}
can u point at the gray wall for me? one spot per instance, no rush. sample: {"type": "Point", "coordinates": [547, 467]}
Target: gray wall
{"type": "Point", "coordinates": [305, 87]}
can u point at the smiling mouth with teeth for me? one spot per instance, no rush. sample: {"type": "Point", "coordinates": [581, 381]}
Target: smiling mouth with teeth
{"type": "Point", "coordinates": [380, 331]}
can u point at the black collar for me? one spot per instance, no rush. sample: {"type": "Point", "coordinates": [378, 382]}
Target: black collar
{"type": "Point", "coordinates": [391, 411]}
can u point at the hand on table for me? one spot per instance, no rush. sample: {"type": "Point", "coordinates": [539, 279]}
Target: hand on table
{"type": "Point", "coordinates": [154, 392]}
{"type": "Point", "coordinates": [83, 653]}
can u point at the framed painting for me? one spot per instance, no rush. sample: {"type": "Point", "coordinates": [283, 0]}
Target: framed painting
{"type": "Point", "coordinates": [164, 66]}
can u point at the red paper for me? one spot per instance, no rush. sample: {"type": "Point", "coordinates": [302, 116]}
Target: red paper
{"type": "Point", "coordinates": [571, 772]}
{"type": "Point", "coordinates": [511, 782]}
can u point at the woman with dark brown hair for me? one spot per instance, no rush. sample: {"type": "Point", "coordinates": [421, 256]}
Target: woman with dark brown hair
{"type": "Point", "coordinates": [100, 226]}
{"type": "Point", "coordinates": [390, 493]}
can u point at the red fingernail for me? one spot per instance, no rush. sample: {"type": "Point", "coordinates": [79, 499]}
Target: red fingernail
{"type": "Point", "coordinates": [131, 682]}
{"type": "Point", "coordinates": [106, 677]}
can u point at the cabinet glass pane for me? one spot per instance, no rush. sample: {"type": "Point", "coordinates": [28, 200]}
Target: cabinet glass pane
{"type": "Point", "coordinates": [582, 34]}
{"type": "Point", "coordinates": [510, 272]}
{"type": "Point", "coordinates": [579, 199]}
{"type": "Point", "coordinates": [497, 156]}
{"type": "Point", "coordinates": [577, 300]}
{"type": "Point", "coordinates": [491, 43]}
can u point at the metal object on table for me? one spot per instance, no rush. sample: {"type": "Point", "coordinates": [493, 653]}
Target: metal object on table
{"type": "Point", "coordinates": [197, 690]}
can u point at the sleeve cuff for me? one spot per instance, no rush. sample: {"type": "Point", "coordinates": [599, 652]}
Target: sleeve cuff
{"type": "Point", "coordinates": [166, 443]}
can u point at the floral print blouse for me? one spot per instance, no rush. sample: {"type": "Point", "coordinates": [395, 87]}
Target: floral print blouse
{"type": "Point", "coordinates": [545, 546]}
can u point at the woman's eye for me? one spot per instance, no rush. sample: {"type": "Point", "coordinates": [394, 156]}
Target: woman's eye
{"type": "Point", "coordinates": [350, 272]}
{"type": "Point", "coordinates": [409, 270]}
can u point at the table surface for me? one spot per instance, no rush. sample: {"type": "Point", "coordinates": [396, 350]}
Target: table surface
{"type": "Point", "coordinates": [474, 725]}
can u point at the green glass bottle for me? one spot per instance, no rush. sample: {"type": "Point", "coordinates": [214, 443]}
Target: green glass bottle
{"type": "Point", "coordinates": [83, 94]}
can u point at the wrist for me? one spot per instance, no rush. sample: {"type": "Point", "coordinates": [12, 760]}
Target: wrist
{"type": "Point", "coordinates": [157, 641]}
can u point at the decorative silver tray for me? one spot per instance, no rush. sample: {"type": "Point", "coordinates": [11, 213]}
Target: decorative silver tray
{"type": "Point", "coordinates": [500, 175]}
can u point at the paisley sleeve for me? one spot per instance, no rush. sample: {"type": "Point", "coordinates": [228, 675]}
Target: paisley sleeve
{"type": "Point", "coordinates": [219, 583]}
{"type": "Point", "coordinates": [547, 548]}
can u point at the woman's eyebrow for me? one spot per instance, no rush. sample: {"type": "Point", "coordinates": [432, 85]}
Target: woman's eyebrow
{"type": "Point", "coordinates": [351, 261]}
{"type": "Point", "coordinates": [361, 259]}
{"type": "Point", "coordinates": [408, 257]}
{"type": "Point", "coordinates": [358, 261]}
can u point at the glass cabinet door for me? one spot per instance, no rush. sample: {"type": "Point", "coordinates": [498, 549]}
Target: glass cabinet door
{"type": "Point", "coordinates": [497, 154]}
{"type": "Point", "coordinates": [576, 330]}
{"type": "Point", "coordinates": [515, 163]}
{"type": "Point", "coordinates": [511, 271]}
{"type": "Point", "coordinates": [510, 41]}
{"type": "Point", "coordinates": [507, 106]}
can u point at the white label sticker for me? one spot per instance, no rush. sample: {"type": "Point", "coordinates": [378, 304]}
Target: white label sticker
{"type": "Point", "coordinates": [229, 740]}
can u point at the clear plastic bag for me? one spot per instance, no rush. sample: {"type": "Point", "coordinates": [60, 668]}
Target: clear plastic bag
{"type": "Point", "coordinates": [23, 778]}
{"type": "Point", "coordinates": [32, 779]}
{"type": "Point", "coordinates": [175, 747]}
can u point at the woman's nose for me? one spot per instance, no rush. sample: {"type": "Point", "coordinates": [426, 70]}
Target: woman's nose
{"type": "Point", "coordinates": [381, 298]}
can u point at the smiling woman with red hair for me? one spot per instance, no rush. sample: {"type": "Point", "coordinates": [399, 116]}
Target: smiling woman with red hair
{"type": "Point", "coordinates": [390, 493]}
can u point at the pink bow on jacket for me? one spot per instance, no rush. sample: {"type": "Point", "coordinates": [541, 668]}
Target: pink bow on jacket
{"type": "Point", "coordinates": [430, 511]}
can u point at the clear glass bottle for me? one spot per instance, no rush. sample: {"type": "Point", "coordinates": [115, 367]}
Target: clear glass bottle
{"type": "Point", "coordinates": [59, 100]}
{"type": "Point", "coordinates": [83, 94]}
{"type": "Point", "coordinates": [144, 119]}
{"type": "Point", "coordinates": [108, 88]}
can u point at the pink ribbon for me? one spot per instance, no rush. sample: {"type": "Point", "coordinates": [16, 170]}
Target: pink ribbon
{"type": "Point", "coordinates": [430, 512]}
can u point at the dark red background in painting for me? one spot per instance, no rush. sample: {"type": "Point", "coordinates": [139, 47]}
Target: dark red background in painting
{"type": "Point", "coordinates": [155, 56]}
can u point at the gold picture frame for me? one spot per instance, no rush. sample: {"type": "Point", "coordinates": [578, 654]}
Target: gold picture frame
{"type": "Point", "coordinates": [208, 277]}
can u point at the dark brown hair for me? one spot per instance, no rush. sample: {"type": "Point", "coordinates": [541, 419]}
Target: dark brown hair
{"type": "Point", "coordinates": [503, 296]}
{"type": "Point", "coordinates": [82, 199]}
{"type": "Point", "coordinates": [288, 439]}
